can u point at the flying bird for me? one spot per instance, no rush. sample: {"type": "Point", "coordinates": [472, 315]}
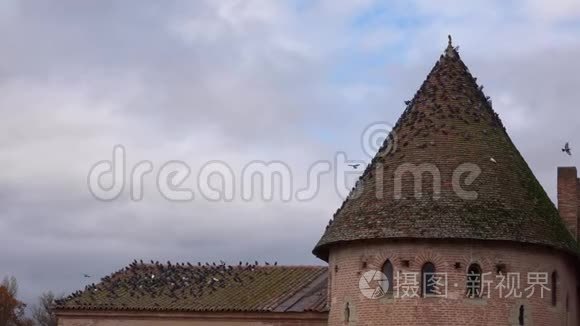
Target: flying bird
{"type": "Point", "coordinates": [567, 149]}
{"type": "Point", "coordinates": [86, 275]}
{"type": "Point", "coordinates": [492, 159]}
{"type": "Point", "coordinates": [354, 166]}
{"type": "Point", "coordinates": [407, 102]}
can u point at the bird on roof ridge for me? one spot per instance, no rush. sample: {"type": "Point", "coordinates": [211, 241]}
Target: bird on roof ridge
{"type": "Point", "coordinates": [450, 51]}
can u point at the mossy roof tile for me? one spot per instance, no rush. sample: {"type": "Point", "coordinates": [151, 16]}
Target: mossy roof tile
{"type": "Point", "coordinates": [209, 287]}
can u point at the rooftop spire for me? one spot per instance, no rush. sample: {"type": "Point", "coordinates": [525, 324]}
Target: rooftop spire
{"type": "Point", "coordinates": [449, 126]}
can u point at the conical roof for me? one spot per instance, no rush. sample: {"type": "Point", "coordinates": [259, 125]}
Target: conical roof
{"type": "Point", "coordinates": [448, 126]}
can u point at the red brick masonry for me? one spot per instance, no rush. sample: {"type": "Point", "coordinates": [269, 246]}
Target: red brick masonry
{"type": "Point", "coordinates": [347, 263]}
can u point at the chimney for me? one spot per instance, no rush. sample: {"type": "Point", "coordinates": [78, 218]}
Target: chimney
{"type": "Point", "coordinates": [569, 198]}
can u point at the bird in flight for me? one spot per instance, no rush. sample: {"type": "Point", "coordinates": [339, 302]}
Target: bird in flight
{"type": "Point", "coordinates": [354, 166]}
{"type": "Point", "coordinates": [567, 149]}
{"type": "Point", "coordinates": [86, 275]}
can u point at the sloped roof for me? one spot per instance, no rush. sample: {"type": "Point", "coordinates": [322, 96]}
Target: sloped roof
{"type": "Point", "coordinates": [208, 287]}
{"type": "Point", "coordinates": [448, 123]}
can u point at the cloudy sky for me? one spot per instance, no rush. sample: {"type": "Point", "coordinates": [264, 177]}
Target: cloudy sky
{"type": "Point", "coordinates": [238, 81]}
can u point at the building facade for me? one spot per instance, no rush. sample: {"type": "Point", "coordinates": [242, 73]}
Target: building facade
{"type": "Point", "coordinates": [145, 294]}
{"type": "Point", "coordinates": [454, 218]}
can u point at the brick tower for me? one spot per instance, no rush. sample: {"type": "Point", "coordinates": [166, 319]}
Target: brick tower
{"type": "Point", "coordinates": [450, 213]}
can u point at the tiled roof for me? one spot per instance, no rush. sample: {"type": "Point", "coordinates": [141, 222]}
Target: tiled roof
{"type": "Point", "coordinates": [449, 122]}
{"type": "Point", "coordinates": [205, 287]}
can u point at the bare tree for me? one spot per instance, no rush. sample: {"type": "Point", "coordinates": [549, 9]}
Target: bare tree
{"type": "Point", "coordinates": [10, 284]}
{"type": "Point", "coordinates": [43, 312]}
{"type": "Point", "coordinates": [11, 310]}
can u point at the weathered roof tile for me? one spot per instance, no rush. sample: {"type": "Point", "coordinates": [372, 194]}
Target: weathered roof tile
{"type": "Point", "coordinates": [209, 287]}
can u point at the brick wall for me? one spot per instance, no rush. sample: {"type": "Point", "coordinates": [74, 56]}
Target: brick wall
{"type": "Point", "coordinates": [89, 318]}
{"type": "Point", "coordinates": [456, 308]}
{"type": "Point", "coordinates": [569, 198]}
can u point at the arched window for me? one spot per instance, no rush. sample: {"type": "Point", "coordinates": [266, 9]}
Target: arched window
{"type": "Point", "coordinates": [428, 280]}
{"type": "Point", "coordinates": [388, 271]}
{"type": "Point", "coordinates": [473, 284]}
{"type": "Point", "coordinates": [347, 313]}
{"type": "Point", "coordinates": [554, 288]}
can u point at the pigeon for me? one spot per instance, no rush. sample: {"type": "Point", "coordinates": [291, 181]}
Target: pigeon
{"type": "Point", "coordinates": [354, 166]}
{"type": "Point", "coordinates": [567, 149]}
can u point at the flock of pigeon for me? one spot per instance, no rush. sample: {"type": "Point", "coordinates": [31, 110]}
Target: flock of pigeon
{"type": "Point", "coordinates": [434, 88]}
{"type": "Point", "coordinates": [175, 281]}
